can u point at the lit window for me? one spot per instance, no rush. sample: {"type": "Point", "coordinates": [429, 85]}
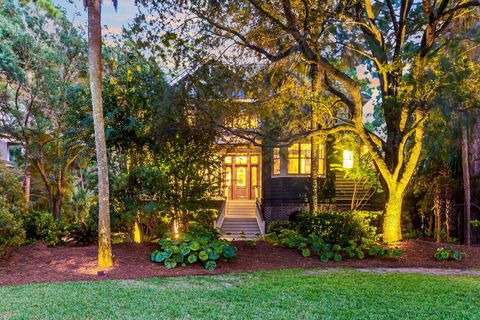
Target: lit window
{"type": "Point", "coordinates": [321, 160]}
{"type": "Point", "coordinates": [293, 158]}
{"type": "Point", "coordinates": [228, 176]}
{"type": "Point", "coordinates": [228, 160]}
{"type": "Point", "coordinates": [299, 159]}
{"type": "Point", "coordinates": [241, 173]}
{"type": "Point", "coordinates": [276, 160]}
{"type": "Point", "coordinates": [254, 159]}
{"type": "Point", "coordinates": [305, 158]}
{"type": "Point", "coordinates": [254, 176]}
{"type": "Point", "coordinates": [241, 159]}
{"type": "Point", "coordinates": [347, 159]}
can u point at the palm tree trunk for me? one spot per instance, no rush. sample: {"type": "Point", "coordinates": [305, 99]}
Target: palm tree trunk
{"type": "Point", "coordinates": [450, 217]}
{"type": "Point", "coordinates": [438, 212]}
{"type": "Point", "coordinates": [95, 70]}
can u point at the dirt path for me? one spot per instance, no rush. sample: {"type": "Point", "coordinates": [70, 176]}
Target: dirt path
{"type": "Point", "coordinates": [38, 263]}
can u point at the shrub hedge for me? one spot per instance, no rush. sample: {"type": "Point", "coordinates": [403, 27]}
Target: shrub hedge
{"type": "Point", "coordinates": [339, 227]}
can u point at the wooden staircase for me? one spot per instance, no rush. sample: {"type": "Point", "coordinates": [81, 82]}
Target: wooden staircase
{"type": "Point", "coordinates": [344, 189]}
{"type": "Point", "coordinates": [240, 220]}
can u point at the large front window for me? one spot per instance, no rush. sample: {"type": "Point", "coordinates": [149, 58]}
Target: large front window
{"type": "Point", "coordinates": [297, 160]}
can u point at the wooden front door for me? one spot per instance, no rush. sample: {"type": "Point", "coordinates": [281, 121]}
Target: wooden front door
{"type": "Point", "coordinates": [241, 174]}
{"type": "Point", "coordinates": [241, 182]}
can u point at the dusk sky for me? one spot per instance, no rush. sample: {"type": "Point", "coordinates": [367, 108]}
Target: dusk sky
{"type": "Point", "coordinates": [126, 11]}
{"type": "Point", "coordinates": [114, 20]}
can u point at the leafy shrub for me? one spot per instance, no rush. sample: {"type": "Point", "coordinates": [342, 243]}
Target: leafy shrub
{"type": "Point", "coordinates": [280, 225]}
{"type": "Point", "coordinates": [11, 203]}
{"type": "Point", "coordinates": [83, 232]}
{"type": "Point", "coordinates": [340, 227]}
{"type": "Point", "coordinates": [203, 246]}
{"type": "Point", "coordinates": [447, 253]}
{"type": "Point", "coordinates": [11, 231]}
{"type": "Point", "coordinates": [40, 225]}
{"type": "Point", "coordinates": [330, 251]}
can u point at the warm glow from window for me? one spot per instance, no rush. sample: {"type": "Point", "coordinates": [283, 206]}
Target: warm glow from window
{"type": "Point", "coordinates": [241, 159]}
{"type": "Point", "coordinates": [347, 159]}
{"type": "Point", "coordinates": [321, 160]}
{"type": "Point", "coordinates": [299, 158]}
{"type": "Point", "coordinates": [254, 176]}
{"type": "Point", "coordinates": [254, 159]}
{"type": "Point", "coordinates": [276, 160]}
{"type": "Point", "coordinates": [228, 159]}
{"type": "Point", "coordinates": [241, 173]}
{"type": "Point", "coordinates": [228, 176]}
{"type": "Point", "coordinates": [305, 158]}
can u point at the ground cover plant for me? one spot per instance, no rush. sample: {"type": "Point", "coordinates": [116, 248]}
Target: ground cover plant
{"type": "Point", "coordinates": [193, 246]}
{"type": "Point", "coordinates": [332, 235]}
{"type": "Point", "coordinates": [447, 253]}
{"type": "Point", "coordinates": [288, 294]}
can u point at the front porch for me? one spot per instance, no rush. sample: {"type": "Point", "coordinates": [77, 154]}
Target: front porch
{"type": "Point", "coordinates": [240, 216]}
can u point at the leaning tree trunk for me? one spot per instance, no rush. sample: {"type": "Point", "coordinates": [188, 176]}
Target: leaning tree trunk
{"type": "Point", "coordinates": [95, 70]}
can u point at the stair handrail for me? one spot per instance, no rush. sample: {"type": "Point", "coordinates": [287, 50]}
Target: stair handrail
{"type": "Point", "coordinates": [258, 216]}
{"type": "Point", "coordinates": [222, 213]}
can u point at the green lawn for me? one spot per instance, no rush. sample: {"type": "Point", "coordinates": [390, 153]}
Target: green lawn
{"type": "Point", "coordinates": [287, 294]}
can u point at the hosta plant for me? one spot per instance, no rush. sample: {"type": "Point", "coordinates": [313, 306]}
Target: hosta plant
{"type": "Point", "coordinates": [447, 253]}
{"type": "Point", "coordinates": [196, 246]}
{"type": "Point", "coordinates": [314, 244]}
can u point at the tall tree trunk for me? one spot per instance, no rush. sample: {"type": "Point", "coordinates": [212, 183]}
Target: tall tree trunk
{"type": "Point", "coordinates": [392, 227]}
{"type": "Point", "coordinates": [475, 145]}
{"type": "Point", "coordinates": [438, 201]}
{"type": "Point", "coordinates": [466, 184]}
{"type": "Point", "coordinates": [474, 167]}
{"type": "Point", "coordinates": [314, 175]}
{"type": "Point", "coordinates": [450, 217]}
{"type": "Point", "coordinates": [95, 70]}
{"type": "Point", "coordinates": [431, 224]}
{"type": "Point", "coordinates": [57, 201]}
{"type": "Point", "coordinates": [26, 187]}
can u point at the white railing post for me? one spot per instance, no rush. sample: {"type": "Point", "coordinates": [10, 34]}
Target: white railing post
{"type": "Point", "coordinates": [221, 216]}
{"type": "Point", "coordinates": [260, 221]}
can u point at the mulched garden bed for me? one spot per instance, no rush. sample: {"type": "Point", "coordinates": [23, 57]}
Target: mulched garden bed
{"type": "Point", "coordinates": [38, 263]}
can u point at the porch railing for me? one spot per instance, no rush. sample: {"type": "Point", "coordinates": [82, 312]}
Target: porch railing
{"type": "Point", "coordinates": [259, 217]}
{"type": "Point", "coordinates": [221, 214]}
